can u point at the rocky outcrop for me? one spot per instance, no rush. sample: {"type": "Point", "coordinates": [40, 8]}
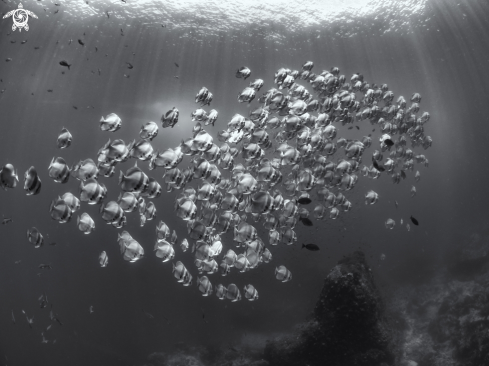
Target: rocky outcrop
{"type": "Point", "coordinates": [348, 325]}
{"type": "Point", "coordinates": [445, 321]}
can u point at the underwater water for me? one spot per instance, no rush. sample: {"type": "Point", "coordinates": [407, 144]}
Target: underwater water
{"type": "Point", "coordinates": [139, 59]}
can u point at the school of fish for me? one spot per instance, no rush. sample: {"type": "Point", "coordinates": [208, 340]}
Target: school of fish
{"type": "Point", "coordinates": [267, 167]}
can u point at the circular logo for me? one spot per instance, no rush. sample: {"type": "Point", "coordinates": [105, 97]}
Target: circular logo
{"type": "Point", "coordinates": [20, 18]}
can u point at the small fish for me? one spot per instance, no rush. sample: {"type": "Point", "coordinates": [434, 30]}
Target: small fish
{"type": "Point", "coordinates": [6, 220]}
{"type": "Point", "coordinates": [36, 48]}
{"type": "Point", "coordinates": [75, 107]}
{"type": "Point", "coordinates": [23, 42]}
{"type": "Point", "coordinates": [176, 77]}
{"type": "Point", "coordinates": [311, 247]}
{"type": "Point", "coordinates": [163, 25]}
{"type": "Point", "coordinates": [17, 262]}
{"type": "Point", "coordinates": [53, 243]}
{"type": "Point", "coordinates": [107, 14]}
{"type": "Point", "coordinates": [176, 64]}
{"type": "Point", "coordinates": [50, 90]}
{"type": "Point", "coordinates": [13, 41]}
{"type": "Point", "coordinates": [389, 142]}
{"type": "Point", "coordinates": [56, 12]}
{"type": "Point", "coordinates": [65, 64]}
{"type": "Point", "coordinates": [96, 49]}
{"type": "Point", "coordinates": [29, 321]}
{"type": "Point", "coordinates": [126, 76]}
{"type": "Point", "coordinates": [91, 309]}
{"type": "Point", "coordinates": [45, 266]}
{"type": "Point", "coordinates": [306, 221]}
{"type": "Point", "coordinates": [129, 66]}
{"type": "Point", "coordinates": [81, 42]}
{"type": "Point", "coordinates": [414, 221]}
{"type": "Point", "coordinates": [304, 200]}
{"type": "Point", "coordinates": [350, 128]}
{"type": "Point", "coordinates": [358, 128]}
{"type": "Point", "coordinates": [8, 59]}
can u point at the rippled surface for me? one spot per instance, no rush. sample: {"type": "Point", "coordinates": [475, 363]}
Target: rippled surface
{"type": "Point", "coordinates": [278, 17]}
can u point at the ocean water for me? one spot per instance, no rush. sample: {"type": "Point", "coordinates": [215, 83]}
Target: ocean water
{"type": "Point", "coordinates": [437, 48]}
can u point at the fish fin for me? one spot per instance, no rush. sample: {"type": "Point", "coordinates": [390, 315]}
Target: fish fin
{"type": "Point", "coordinates": [121, 178]}
{"type": "Point", "coordinates": [78, 220]}
{"type": "Point", "coordinates": [101, 208]}
{"type": "Point", "coordinates": [51, 206]}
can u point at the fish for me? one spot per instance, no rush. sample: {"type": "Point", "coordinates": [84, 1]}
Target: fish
{"type": "Point", "coordinates": [85, 170]}
{"type": "Point", "coordinates": [107, 13]}
{"type": "Point", "coordinates": [243, 72]}
{"type": "Point", "coordinates": [6, 220]}
{"type": "Point", "coordinates": [389, 224]}
{"type": "Point", "coordinates": [304, 200]}
{"type": "Point", "coordinates": [414, 221]}
{"type": "Point", "coordinates": [30, 321]}
{"type": "Point", "coordinates": [129, 66]}
{"type": "Point", "coordinates": [45, 266]}
{"type": "Point", "coordinates": [60, 211]}
{"type": "Point", "coordinates": [389, 142]}
{"type": "Point", "coordinates": [65, 64]}
{"type": "Point", "coordinates": [64, 139]}
{"type": "Point", "coordinates": [85, 223]}
{"type": "Point", "coordinates": [250, 293]}
{"type": "Point", "coordinates": [130, 248]}
{"type": "Point", "coordinates": [283, 274]}
{"type": "Point", "coordinates": [90, 309]}
{"type": "Point", "coordinates": [35, 237]}
{"type": "Point", "coordinates": [8, 177]}
{"type": "Point", "coordinates": [8, 59]}
{"type": "Point", "coordinates": [81, 42]}
{"type": "Point", "coordinates": [170, 118]}
{"type": "Point", "coordinates": [59, 170]}
{"type": "Point", "coordinates": [371, 197]}
{"type": "Point", "coordinates": [312, 247]}
{"type": "Point", "coordinates": [111, 122]}
{"type": "Point", "coordinates": [103, 259]}
{"type": "Point", "coordinates": [176, 64]}
{"type": "Point", "coordinates": [377, 166]}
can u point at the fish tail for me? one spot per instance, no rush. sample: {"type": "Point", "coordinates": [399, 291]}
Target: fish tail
{"type": "Point", "coordinates": [303, 245]}
{"type": "Point", "coordinates": [121, 178]}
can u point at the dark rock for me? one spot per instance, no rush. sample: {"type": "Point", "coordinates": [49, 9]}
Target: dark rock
{"type": "Point", "coordinates": [348, 327]}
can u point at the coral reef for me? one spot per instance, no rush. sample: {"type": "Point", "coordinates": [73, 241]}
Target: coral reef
{"type": "Point", "coordinates": [446, 320]}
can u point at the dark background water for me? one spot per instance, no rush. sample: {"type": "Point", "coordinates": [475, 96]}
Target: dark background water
{"type": "Point", "coordinates": [444, 56]}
